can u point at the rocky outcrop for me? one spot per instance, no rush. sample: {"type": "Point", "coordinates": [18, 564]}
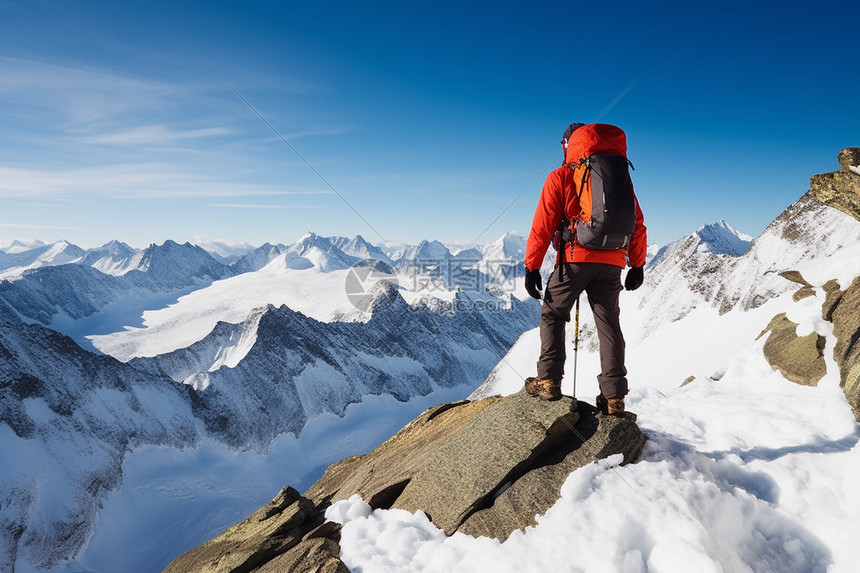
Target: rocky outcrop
{"type": "Point", "coordinates": [845, 315]}
{"type": "Point", "coordinates": [484, 468]}
{"type": "Point", "coordinates": [284, 535]}
{"type": "Point", "coordinates": [799, 358]}
{"type": "Point", "coordinates": [840, 189]}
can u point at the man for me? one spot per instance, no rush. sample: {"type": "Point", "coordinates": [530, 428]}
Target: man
{"type": "Point", "coordinates": [579, 268]}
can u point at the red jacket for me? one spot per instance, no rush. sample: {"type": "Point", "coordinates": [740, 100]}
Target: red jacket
{"type": "Point", "coordinates": [548, 216]}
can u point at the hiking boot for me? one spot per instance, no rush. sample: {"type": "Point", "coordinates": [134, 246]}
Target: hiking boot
{"type": "Point", "coordinates": [543, 388]}
{"type": "Point", "coordinates": [614, 406]}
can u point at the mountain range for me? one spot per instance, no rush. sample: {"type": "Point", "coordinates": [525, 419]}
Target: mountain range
{"type": "Point", "coordinates": [112, 353]}
{"type": "Point", "coordinates": [90, 376]}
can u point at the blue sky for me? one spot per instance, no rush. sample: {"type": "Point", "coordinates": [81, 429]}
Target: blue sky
{"type": "Point", "coordinates": [431, 120]}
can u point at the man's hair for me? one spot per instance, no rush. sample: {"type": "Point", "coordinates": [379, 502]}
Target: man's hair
{"type": "Point", "coordinates": [569, 131]}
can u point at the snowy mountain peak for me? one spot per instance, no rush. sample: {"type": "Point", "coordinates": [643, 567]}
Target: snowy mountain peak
{"type": "Point", "coordinates": [427, 250]}
{"type": "Point", "coordinates": [470, 254]}
{"type": "Point", "coordinates": [722, 238]}
{"type": "Point", "coordinates": [360, 248]}
{"type": "Point", "coordinates": [110, 257]}
{"type": "Point", "coordinates": [16, 262]}
{"type": "Point", "coordinates": [62, 252]}
{"type": "Point", "coordinates": [14, 246]}
{"type": "Point", "coordinates": [258, 258]}
{"type": "Point", "coordinates": [382, 297]}
{"type": "Point", "coordinates": [313, 250]}
{"type": "Point", "coordinates": [115, 246]}
{"type": "Point", "coordinates": [175, 264]}
{"type": "Point", "coordinates": [652, 251]}
{"type": "Point", "coordinates": [309, 241]}
{"type": "Point", "coordinates": [311, 238]}
{"type": "Point", "coordinates": [510, 247]}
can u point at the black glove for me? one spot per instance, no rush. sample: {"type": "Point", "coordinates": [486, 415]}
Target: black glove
{"type": "Point", "coordinates": [534, 284]}
{"type": "Point", "coordinates": [634, 278]}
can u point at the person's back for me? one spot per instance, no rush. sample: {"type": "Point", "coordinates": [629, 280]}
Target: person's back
{"type": "Point", "coordinates": [566, 203]}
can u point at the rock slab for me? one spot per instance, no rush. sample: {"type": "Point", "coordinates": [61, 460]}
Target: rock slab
{"type": "Point", "coordinates": [484, 468]}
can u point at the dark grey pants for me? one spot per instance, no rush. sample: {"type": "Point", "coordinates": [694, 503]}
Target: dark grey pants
{"type": "Point", "coordinates": [602, 285]}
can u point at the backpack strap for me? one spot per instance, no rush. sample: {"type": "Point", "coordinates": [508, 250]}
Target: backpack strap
{"type": "Point", "coordinates": [586, 161]}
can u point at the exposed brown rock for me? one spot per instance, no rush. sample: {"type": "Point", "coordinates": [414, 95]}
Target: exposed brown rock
{"type": "Point", "coordinates": [799, 358]}
{"type": "Point", "coordinates": [273, 532]}
{"type": "Point", "coordinates": [472, 451]}
{"type": "Point", "coordinates": [483, 468]}
{"type": "Point", "coordinates": [832, 298]}
{"type": "Point", "coordinates": [839, 189]}
{"type": "Point", "coordinates": [802, 293]}
{"type": "Point", "coordinates": [848, 158]}
{"type": "Point", "coordinates": [380, 476]}
{"type": "Point", "coordinates": [311, 556]}
{"type": "Point", "coordinates": [495, 446]}
{"type": "Point", "coordinates": [846, 327]}
{"type": "Point", "coordinates": [535, 492]}
{"type": "Point", "coordinates": [795, 277]}
{"type": "Point", "coordinates": [806, 290]}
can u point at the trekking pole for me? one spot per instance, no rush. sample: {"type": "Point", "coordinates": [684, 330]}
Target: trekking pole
{"type": "Point", "coordinates": [575, 343]}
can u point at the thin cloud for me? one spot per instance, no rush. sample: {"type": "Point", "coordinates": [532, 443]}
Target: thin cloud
{"type": "Point", "coordinates": [153, 135]}
{"type": "Point", "coordinates": [319, 131]}
{"type": "Point", "coordinates": [88, 97]}
{"type": "Point", "coordinates": [82, 94]}
{"type": "Point", "coordinates": [39, 227]}
{"type": "Point", "coordinates": [129, 181]}
{"type": "Point", "coordinates": [258, 206]}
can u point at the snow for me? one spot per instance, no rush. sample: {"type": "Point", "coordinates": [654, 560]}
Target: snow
{"type": "Point", "coordinates": [742, 471]}
{"type": "Point", "coordinates": [319, 295]}
{"type": "Point", "coordinates": [843, 265]}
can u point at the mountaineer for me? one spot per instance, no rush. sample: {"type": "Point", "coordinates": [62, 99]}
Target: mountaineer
{"type": "Point", "coordinates": [588, 209]}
